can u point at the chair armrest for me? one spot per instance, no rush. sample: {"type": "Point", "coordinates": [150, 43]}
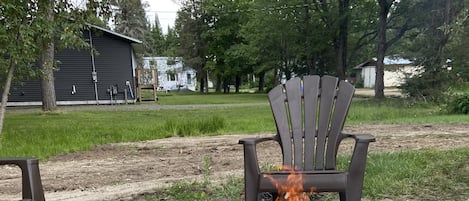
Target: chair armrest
{"type": "Point", "coordinates": [256, 140]}
{"type": "Point", "coordinates": [251, 163]}
{"type": "Point", "coordinates": [31, 178]}
{"type": "Point", "coordinates": [360, 137]}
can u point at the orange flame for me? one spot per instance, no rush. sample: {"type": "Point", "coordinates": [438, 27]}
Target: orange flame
{"type": "Point", "coordinates": [292, 188]}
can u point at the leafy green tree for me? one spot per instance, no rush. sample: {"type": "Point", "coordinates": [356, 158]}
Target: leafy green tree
{"type": "Point", "coordinates": [17, 44]}
{"type": "Point", "coordinates": [223, 36]}
{"type": "Point", "coordinates": [130, 20]}
{"type": "Point", "coordinates": [170, 43]}
{"type": "Point", "coordinates": [336, 19]}
{"type": "Point", "coordinates": [274, 34]}
{"type": "Point", "coordinates": [431, 48]}
{"type": "Point", "coordinates": [30, 33]}
{"type": "Point", "coordinates": [157, 39]}
{"type": "Point", "coordinates": [458, 45]}
{"type": "Point", "coordinates": [190, 25]}
{"type": "Point", "coordinates": [362, 31]}
{"type": "Point", "coordinates": [396, 18]}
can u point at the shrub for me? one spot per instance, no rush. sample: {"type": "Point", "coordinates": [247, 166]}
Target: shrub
{"type": "Point", "coordinates": [459, 104]}
{"type": "Point", "coordinates": [360, 83]}
{"type": "Point", "coordinates": [428, 86]}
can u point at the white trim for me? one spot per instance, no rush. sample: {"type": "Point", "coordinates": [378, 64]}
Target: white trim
{"type": "Point", "coordinates": [86, 102]}
{"type": "Point", "coordinates": [115, 33]}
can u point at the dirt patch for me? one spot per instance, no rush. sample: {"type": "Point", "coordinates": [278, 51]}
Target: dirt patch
{"type": "Point", "coordinates": [121, 171]}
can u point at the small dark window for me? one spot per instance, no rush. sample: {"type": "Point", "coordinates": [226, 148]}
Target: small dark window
{"type": "Point", "coordinates": [152, 63]}
{"type": "Point", "coordinates": [171, 75]}
{"type": "Point", "coordinates": [189, 78]}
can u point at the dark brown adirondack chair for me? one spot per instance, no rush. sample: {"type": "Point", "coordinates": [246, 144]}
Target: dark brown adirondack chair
{"type": "Point", "coordinates": [309, 116]}
{"type": "Point", "coordinates": [31, 179]}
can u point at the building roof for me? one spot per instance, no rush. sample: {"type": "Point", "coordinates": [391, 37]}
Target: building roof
{"type": "Point", "coordinates": [395, 60]}
{"type": "Point", "coordinates": [133, 40]}
{"type": "Point", "coordinates": [388, 61]}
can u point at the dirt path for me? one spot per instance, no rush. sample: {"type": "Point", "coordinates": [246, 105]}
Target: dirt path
{"type": "Point", "coordinates": [121, 171]}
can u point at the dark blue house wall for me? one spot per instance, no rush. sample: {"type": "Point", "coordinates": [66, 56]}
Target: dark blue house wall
{"type": "Point", "coordinates": [74, 70]}
{"type": "Point", "coordinates": [113, 65]}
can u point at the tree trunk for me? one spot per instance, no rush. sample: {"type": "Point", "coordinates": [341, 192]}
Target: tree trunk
{"type": "Point", "coordinates": [379, 81]}
{"type": "Point", "coordinates": [261, 81]}
{"type": "Point", "coordinates": [312, 68]}
{"type": "Point", "coordinates": [219, 83]}
{"type": "Point", "coordinates": [237, 83]}
{"type": "Point", "coordinates": [202, 83]}
{"type": "Point", "coordinates": [206, 81]}
{"type": "Point", "coordinates": [445, 34]}
{"type": "Point", "coordinates": [47, 68]}
{"type": "Point", "coordinates": [47, 79]}
{"type": "Point", "coordinates": [342, 40]}
{"type": "Point", "coordinates": [6, 91]}
{"type": "Point", "coordinates": [226, 85]}
{"type": "Point", "coordinates": [308, 40]}
{"type": "Point", "coordinates": [277, 76]}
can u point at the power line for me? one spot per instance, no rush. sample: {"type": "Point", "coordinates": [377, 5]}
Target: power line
{"type": "Point", "coordinates": [166, 11]}
{"type": "Point", "coordinates": [272, 8]}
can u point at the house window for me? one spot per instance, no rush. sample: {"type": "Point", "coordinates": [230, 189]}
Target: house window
{"type": "Point", "coordinates": [171, 75]}
{"type": "Point", "coordinates": [152, 63]}
{"type": "Point", "coordinates": [171, 61]}
{"type": "Point", "coordinates": [189, 78]}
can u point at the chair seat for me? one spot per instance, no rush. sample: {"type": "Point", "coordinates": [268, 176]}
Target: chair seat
{"type": "Point", "coordinates": [322, 181]}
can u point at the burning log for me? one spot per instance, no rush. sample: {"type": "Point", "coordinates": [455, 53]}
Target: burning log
{"type": "Point", "coordinates": [292, 188]}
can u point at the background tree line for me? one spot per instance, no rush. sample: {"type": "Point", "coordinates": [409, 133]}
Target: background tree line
{"type": "Point", "coordinates": [244, 42]}
{"type": "Point", "coordinates": [235, 42]}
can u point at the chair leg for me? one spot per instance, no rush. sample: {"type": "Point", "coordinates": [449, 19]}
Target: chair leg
{"type": "Point", "coordinates": [31, 178]}
{"type": "Point", "coordinates": [342, 196]}
{"type": "Point", "coordinates": [357, 172]}
{"type": "Point", "coordinates": [251, 173]}
{"type": "Point", "coordinates": [250, 190]}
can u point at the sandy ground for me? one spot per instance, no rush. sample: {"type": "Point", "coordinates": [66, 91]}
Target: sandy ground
{"type": "Point", "coordinates": [125, 170]}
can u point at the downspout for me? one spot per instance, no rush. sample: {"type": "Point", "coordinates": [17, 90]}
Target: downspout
{"type": "Point", "coordinates": [94, 74]}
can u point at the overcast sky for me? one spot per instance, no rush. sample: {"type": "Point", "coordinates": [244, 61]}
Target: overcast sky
{"type": "Point", "coordinates": [166, 10]}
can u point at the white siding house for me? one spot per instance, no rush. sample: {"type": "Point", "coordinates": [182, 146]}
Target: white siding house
{"type": "Point", "coordinates": [172, 74]}
{"type": "Point", "coordinates": [395, 70]}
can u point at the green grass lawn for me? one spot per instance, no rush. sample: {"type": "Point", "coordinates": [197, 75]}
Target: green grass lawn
{"type": "Point", "coordinates": [47, 134]}
{"type": "Point", "coordinates": [443, 174]}
{"type": "Point", "coordinates": [188, 98]}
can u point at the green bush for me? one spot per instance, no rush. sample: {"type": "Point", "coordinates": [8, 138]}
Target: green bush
{"type": "Point", "coordinates": [428, 86]}
{"type": "Point", "coordinates": [459, 104]}
{"type": "Point", "coordinates": [360, 83]}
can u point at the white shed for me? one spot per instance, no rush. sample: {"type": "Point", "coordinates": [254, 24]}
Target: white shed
{"type": "Point", "coordinates": [395, 70]}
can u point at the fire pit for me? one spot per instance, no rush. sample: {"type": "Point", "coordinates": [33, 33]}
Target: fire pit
{"type": "Point", "coordinates": [292, 188]}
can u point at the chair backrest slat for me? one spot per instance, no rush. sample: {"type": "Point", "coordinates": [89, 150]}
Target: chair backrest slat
{"type": "Point", "coordinates": [311, 93]}
{"type": "Point", "coordinates": [309, 116]}
{"type": "Point", "coordinates": [277, 100]}
{"type": "Point", "coordinates": [328, 89]}
{"type": "Point", "coordinates": [343, 101]}
{"type": "Point", "coordinates": [294, 96]}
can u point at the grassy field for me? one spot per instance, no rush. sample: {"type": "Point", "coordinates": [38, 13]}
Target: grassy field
{"type": "Point", "coordinates": [425, 174]}
{"type": "Point", "coordinates": [211, 98]}
{"type": "Point", "coordinates": [418, 175]}
{"type": "Point", "coordinates": [49, 134]}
